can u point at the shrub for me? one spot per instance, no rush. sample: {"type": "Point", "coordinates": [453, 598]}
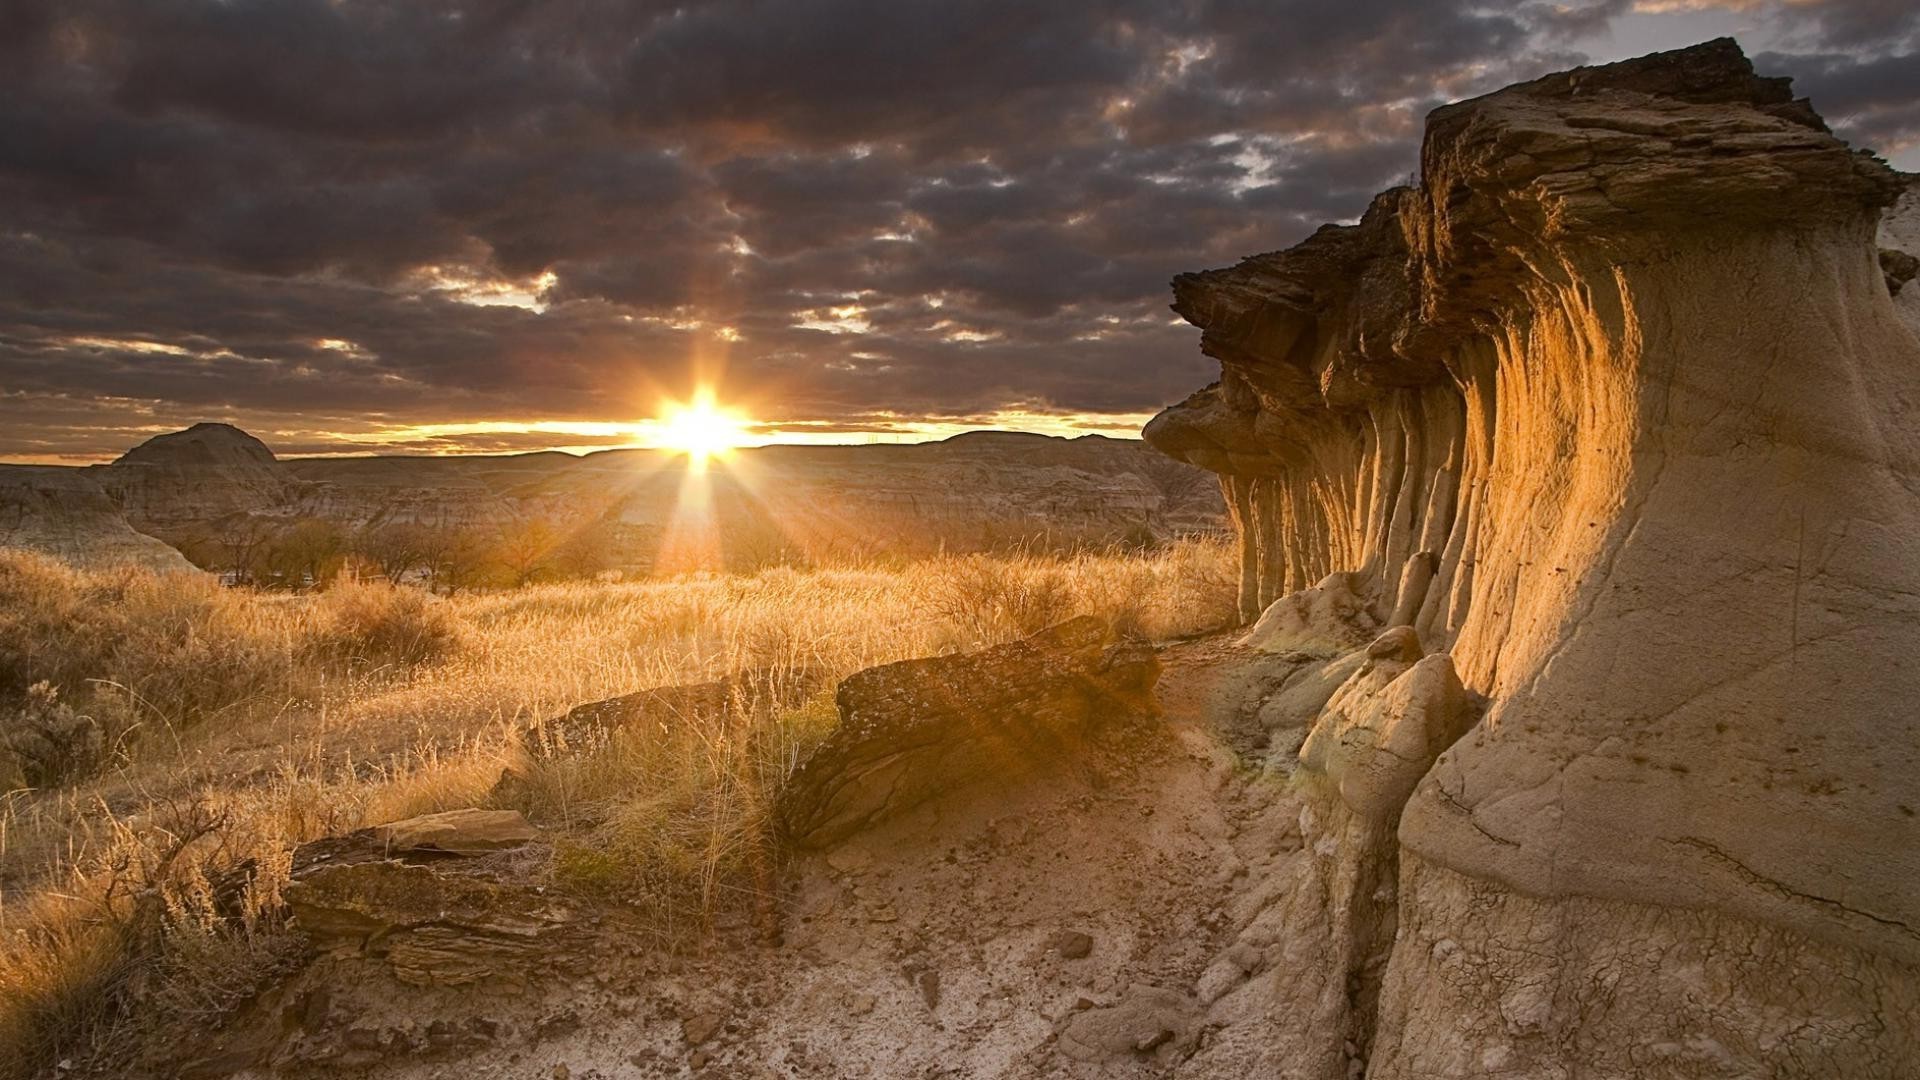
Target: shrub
{"type": "Point", "coordinates": [175, 648]}
{"type": "Point", "coordinates": [50, 744]}
{"type": "Point", "coordinates": [376, 623]}
{"type": "Point", "coordinates": [987, 600]}
{"type": "Point", "coordinates": [161, 934]}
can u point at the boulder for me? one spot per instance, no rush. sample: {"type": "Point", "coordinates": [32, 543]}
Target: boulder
{"type": "Point", "coordinates": [437, 898]}
{"type": "Point", "coordinates": [1326, 619]}
{"type": "Point", "coordinates": [1147, 1021]}
{"type": "Point", "coordinates": [743, 693]}
{"type": "Point", "coordinates": [918, 729]}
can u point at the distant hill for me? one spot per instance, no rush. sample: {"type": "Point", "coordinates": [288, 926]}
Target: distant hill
{"type": "Point", "coordinates": [214, 488]}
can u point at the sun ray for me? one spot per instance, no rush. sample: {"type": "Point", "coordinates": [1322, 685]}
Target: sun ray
{"type": "Point", "coordinates": [701, 428]}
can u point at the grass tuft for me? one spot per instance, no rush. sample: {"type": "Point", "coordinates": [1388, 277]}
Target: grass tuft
{"type": "Point", "coordinates": [165, 742]}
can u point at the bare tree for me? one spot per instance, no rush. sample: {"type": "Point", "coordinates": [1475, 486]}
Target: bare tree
{"type": "Point", "coordinates": [526, 549]}
{"type": "Point", "coordinates": [396, 549]}
{"type": "Point", "coordinates": [239, 542]}
{"type": "Point", "coordinates": [457, 559]}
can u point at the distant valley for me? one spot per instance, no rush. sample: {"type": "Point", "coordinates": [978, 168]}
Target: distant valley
{"type": "Point", "coordinates": [215, 497]}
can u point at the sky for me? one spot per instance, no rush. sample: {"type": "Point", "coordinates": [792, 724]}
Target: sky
{"type": "Point", "coordinates": [437, 226]}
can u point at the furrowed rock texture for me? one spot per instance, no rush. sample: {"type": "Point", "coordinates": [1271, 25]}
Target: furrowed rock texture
{"type": "Point", "coordinates": [65, 513]}
{"type": "Point", "coordinates": [205, 473]}
{"type": "Point", "coordinates": [431, 897]}
{"type": "Point", "coordinates": [744, 695]}
{"type": "Point", "coordinates": [1615, 410]}
{"type": "Point", "coordinates": [917, 730]}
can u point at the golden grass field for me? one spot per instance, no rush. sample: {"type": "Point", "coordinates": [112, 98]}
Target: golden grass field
{"type": "Point", "coordinates": [168, 741]}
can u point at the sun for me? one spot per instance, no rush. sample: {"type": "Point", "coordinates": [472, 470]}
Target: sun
{"type": "Point", "coordinates": [701, 428]}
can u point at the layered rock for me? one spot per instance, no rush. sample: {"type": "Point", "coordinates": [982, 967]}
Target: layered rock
{"type": "Point", "coordinates": [919, 729]}
{"type": "Point", "coordinates": [742, 694]}
{"type": "Point", "coordinates": [65, 513]}
{"type": "Point", "coordinates": [431, 898]}
{"type": "Point", "coordinates": [205, 473]}
{"type": "Point", "coordinates": [1613, 409]}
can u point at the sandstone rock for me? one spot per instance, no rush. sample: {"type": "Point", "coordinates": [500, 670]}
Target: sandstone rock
{"type": "Point", "coordinates": [200, 475]}
{"type": "Point", "coordinates": [1326, 619]}
{"type": "Point", "coordinates": [1381, 730]}
{"type": "Point", "coordinates": [1598, 411]}
{"type": "Point", "coordinates": [433, 920]}
{"type": "Point", "coordinates": [1145, 1020]}
{"type": "Point", "coordinates": [67, 514]}
{"type": "Point", "coordinates": [1899, 244]}
{"type": "Point", "coordinates": [918, 729]}
{"type": "Point", "coordinates": [458, 832]}
{"type": "Point", "coordinates": [745, 693]}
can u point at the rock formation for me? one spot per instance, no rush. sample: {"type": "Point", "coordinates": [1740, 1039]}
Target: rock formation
{"type": "Point", "coordinates": [750, 693]}
{"type": "Point", "coordinates": [431, 897]}
{"type": "Point", "coordinates": [205, 473]}
{"type": "Point", "coordinates": [65, 513]}
{"type": "Point", "coordinates": [917, 729]}
{"type": "Point", "coordinates": [1610, 418]}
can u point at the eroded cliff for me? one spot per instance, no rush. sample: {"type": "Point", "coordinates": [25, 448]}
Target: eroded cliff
{"type": "Point", "coordinates": [1613, 411]}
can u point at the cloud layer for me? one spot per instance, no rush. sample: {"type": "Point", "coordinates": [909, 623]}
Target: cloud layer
{"type": "Point", "coordinates": [421, 222]}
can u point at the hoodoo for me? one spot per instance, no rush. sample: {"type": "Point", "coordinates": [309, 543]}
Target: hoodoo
{"type": "Point", "coordinates": [1611, 419]}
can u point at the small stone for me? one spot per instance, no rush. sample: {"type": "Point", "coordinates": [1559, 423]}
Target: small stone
{"type": "Point", "coordinates": [883, 913]}
{"type": "Point", "coordinates": [698, 1059]}
{"type": "Point", "coordinates": [929, 984]}
{"type": "Point", "coordinates": [859, 1004]}
{"type": "Point", "coordinates": [1073, 945]}
{"type": "Point", "coordinates": [561, 1072]}
{"type": "Point", "coordinates": [701, 1027]}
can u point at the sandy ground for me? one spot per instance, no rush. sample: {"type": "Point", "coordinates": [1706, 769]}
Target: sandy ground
{"type": "Point", "coordinates": [1071, 925]}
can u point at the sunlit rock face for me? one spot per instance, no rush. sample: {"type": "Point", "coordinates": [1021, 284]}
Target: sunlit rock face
{"type": "Point", "coordinates": [1615, 410]}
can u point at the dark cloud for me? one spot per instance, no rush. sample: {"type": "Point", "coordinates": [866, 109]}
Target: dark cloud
{"type": "Point", "coordinates": [288, 213]}
{"type": "Point", "coordinates": [1872, 101]}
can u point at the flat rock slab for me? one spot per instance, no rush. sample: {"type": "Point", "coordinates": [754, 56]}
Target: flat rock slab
{"type": "Point", "coordinates": [918, 729]}
{"type": "Point", "coordinates": [457, 832]}
{"type": "Point", "coordinates": [433, 926]}
{"type": "Point", "coordinates": [748, 693]}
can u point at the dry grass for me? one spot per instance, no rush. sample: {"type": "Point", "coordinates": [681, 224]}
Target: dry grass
{"type": "Point", "coordinates": [227, 726]}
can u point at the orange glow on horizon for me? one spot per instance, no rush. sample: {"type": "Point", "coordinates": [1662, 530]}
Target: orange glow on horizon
{"type": "Point", "coordinates": [701, 428]}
